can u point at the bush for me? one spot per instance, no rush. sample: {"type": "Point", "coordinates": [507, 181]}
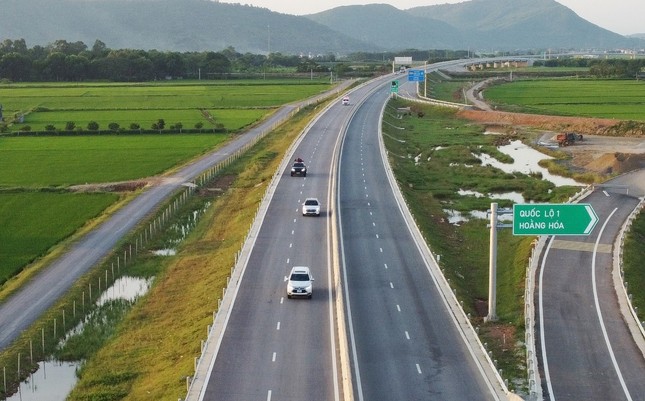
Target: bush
{"type": "Point", "coordinates": [25, 128]}
{"type": "Point", "coordinates": [93, 126]}
{"type": "Point", "coordinates": [135, 126]}
{"type": "Point", "coordinates": [70, 125]}
{"type": "Point", "coordinates": [50, 128]}
{"type": "Point", "coordinates": [114, 126]}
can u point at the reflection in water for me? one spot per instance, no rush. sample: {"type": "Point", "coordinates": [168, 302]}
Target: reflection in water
{"type": "Point", "coordinates": [516, 197]}
{"type": "Point", "coordinates": [52, 382]}
{"type": "Point", "coordinates": [54, 379]}
{"type": "Point", "coordinates": [526, 162]}
{"type": "Point", "coordinates": [125, 288]}
{"type": "Point", "coordinates": [456, 217]}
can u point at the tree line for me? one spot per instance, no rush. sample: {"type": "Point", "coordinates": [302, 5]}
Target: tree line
{"type": "Point", "coordinates": [600, 68]}
{"type": "Point", "coordinates": [74, 61]}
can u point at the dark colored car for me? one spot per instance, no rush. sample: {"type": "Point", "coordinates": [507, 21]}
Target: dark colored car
{"type": "Point", "coordinates": [299, 168]}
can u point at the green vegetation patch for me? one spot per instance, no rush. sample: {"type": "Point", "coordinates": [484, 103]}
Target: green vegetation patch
{"type": "Point", "coordinates": [433, 154]}
{"type": "Point", "coordinates": [633, 256]}
{"type": "Point", "coordinates": [69, 160]}
{"type": "Point", "coordinates": [618, 99]}
{"type": "Point", "coordinates": [32, 222]}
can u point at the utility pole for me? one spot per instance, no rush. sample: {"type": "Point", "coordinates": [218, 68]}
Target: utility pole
{"type": "Point", "coordinates": [425, 79]}
{"type": "Point", "coordinates": [492, 261]}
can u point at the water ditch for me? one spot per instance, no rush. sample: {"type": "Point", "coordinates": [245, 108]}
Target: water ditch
{"type": "Point", "coordinates": [54, 379]}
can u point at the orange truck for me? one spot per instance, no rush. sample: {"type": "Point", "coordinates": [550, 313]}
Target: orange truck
{"type": "Point", "coordinates": [568, 138]}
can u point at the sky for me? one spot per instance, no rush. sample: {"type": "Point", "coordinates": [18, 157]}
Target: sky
{"type": "Point", "coordinates": [625, 17]}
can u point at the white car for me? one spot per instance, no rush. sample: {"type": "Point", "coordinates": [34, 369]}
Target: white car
{"type": "Point", "coordinates": [345, 101]}
{"type": "Point", "coordinates": [299, 282]}
{"type": "Point", "coordinates": [311, 207]}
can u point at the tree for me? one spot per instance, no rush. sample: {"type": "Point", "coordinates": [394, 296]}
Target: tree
{"type": "Point", "coordinates": [55, 66]}
{"type": "Point", "coordinates": [15, 66]}
{"type": "Point", "coordinates": [93, 126]}
{"type": "Point", "coordinates": [114, 126]}
{"type": "Point", "coordinates": [67, 48]}
{"type": "Point", "coordinates": [99, 49]}
{"type": "Point", "coordinates": [50, 128]}
{"type": "Point", "coordinates": [135, 126]}
{"type": "Point", "coordinates": [70, 125]}
{"type": "Point", "coordinates": [215, 63]}
{"type": "Point", "coordinates": [177, 127]}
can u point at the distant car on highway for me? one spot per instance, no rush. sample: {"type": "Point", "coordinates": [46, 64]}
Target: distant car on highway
{"type": "Point", "coordinates": [345, 101]}
{"type": "Point", "coordinates": [311, 207]}
{"type": "Point", "coordinates": [299, 282]}
{"type": "Point", "coordinates": [299, 168]}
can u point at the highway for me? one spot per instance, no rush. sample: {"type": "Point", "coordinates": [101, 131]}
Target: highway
{"type": "Point", "coordinates": [405, 342]}
{"type": "Point", "coordinates": [587, 350]}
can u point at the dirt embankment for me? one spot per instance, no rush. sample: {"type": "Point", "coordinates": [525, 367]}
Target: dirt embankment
{"type": "Point", "coordinates": [609, 146]}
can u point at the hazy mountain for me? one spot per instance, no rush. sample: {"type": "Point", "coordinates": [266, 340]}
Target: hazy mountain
{"type": "Point", "coordinates": [522, 24]}
{"type": "Point", "coordinates": [198, 25]}
{"type": "Point", "coordinates": [180, 25]}
{"type": "Point", "coordinates": [390, 27]}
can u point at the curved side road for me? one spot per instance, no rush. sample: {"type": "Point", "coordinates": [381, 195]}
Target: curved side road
{"type": "Point", "coordinates": [24, 307]}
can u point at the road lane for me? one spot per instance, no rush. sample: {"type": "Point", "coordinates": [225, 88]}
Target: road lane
{"type": "Point", "coordinates": [588, 352]}
{"type": "Point", "coordinates": [405, 342]}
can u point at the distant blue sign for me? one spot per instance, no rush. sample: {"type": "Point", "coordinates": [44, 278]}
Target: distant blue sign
{"type": "Point", "coordinates": [416, 75]}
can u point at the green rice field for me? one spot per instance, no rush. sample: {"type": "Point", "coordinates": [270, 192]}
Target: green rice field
{"type": "Point", "coordinates": [617, 99]}
{"type": "Point", "coordinates": [33, 162]}
{"type": "Point", "coordinates": [37, 212]}
{"type": "Point", "coordinates": [32, 222]}
{"type": "Point", "coordinates": [233, 104]}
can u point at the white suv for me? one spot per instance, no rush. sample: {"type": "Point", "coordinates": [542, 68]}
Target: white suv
{"type": "Point", "coordinates": [299, 282]}
{"type": "Point", "coordinates": [311, 207]}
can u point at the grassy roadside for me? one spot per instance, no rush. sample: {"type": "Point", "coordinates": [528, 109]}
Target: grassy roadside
{"type": "Point", "coordinates": [633, 256]}
{"type": "Point", "coordinates": [154, 348]}
{"type": "Point", "coordinates": [433, 154]}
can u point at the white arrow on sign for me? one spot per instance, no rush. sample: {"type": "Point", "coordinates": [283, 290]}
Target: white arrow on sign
{"type": "Point", "coordinates": [594, 219]}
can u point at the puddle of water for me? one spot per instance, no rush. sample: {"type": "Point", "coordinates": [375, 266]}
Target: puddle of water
{"type": "Point", "coordinates": [165, 252]}
{"type": "Point", "coordinates": [516, 197]}
{"type": "Point", "coordinates": [526, 162]}
{"type": "Point", "coordinates": [456, 217]}
{"type": "Point", "coordinates": [125, 288]}
{"type": "Point", "coordinates": [52, 381]}
{"type": "Point", "coordinates": [178, 231]}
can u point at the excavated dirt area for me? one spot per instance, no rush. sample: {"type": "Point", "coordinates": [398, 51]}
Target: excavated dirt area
{"type": "Point", "coordinates": [597, 152]}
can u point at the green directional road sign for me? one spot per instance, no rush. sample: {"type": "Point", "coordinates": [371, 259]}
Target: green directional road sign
{"type": "Point", "coordinates": [394, 87]}
{"type": "Point", "coordinates": [553, 219]}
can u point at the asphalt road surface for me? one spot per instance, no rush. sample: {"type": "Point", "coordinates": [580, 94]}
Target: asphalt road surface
{"type": "Point", "coordinates": [404, 341]}
{"type": "Point", "coordinates": [587, 350]}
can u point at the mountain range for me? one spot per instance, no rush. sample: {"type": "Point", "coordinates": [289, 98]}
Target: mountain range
{"type": "Point", "coordinates": [204, 25]}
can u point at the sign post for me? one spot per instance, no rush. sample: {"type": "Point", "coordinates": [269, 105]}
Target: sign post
{"type": "Point", "coordinates": [553, 219]}
{"type": "Point", "coordinates": [394, 87]}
